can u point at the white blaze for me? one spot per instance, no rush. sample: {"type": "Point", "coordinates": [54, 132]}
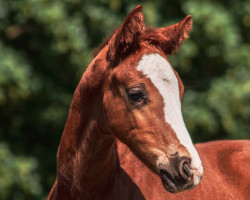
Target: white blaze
{"type": "Point", "coordinates": [161, 74]}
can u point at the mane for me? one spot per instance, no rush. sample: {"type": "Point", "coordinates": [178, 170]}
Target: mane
{"type": "Point", "coordinates": [149, 36]}
{"type": "Point", "coordinates": [106, 41]}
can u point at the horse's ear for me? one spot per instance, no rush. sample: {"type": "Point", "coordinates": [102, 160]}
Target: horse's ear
{"type": "Point", "coordinates": [170, 38]}
{"type": "Point", "coordinates": [126, 36]}
{"type": "Point", "coordinates": [176, 33]}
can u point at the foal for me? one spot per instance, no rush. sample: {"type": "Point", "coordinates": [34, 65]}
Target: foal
{"type": "Point", "coordinates": [125, 134]}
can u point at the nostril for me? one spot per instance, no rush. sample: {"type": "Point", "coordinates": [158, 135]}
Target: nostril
{"type": "Point", "coordinates": [186, 169]}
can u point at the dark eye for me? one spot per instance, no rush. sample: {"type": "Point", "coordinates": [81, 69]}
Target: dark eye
{"type": "Point", "coordinates": [137, 95]}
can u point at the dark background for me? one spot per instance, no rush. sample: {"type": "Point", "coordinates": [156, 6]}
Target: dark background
{"type": "Point", "coordinates": [45, 46]}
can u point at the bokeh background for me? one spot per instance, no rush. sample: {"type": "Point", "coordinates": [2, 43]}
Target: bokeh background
{"type": "Point", "coordinates": [45, 46]}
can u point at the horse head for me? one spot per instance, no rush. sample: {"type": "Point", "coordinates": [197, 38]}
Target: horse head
{"type": "Point", "coordinates": [142, 99]}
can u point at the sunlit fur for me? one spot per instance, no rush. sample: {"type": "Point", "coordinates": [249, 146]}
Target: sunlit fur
{"type": "Point", "coordinates": [113, 149]}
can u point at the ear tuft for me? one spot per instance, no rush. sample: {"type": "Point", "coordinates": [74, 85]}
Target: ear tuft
{"type": "Point", "coordinates": [126, 36]}
{"type": "Point", "coordinates": [170, 38]}
{"type": "Point", "coordinates": [186, 25]}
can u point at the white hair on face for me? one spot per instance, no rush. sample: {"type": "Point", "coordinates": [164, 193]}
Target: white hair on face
{"type": "Point", "coordinates": [161, 74]}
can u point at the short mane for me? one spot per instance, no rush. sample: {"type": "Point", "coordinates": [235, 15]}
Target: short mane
{"type": "Point", "coordinates": [145, 36]}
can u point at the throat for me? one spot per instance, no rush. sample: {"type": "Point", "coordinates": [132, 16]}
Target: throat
{"type": "Point", "coordinates": [95, 164]}
{"type": "Point", "coordinates": [87, 159]}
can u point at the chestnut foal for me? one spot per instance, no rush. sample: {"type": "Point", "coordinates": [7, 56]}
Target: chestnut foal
{"type": "Point", "coordinates": [125, 137]}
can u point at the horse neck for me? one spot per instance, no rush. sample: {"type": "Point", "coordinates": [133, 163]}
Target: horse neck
{"type": "Point", "coordinates": [87, 157]}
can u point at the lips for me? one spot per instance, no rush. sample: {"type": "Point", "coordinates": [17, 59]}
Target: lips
{"type": "Point", "coordinates": [171, 185]}
{"type": "Point", "coordinates": [167, 183]}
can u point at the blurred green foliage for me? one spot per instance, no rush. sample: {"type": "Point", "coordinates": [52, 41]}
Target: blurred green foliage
{"type": "Point", "coordinates": [18, 178]}
{"type": "Point", "coordinates": [45, 46]}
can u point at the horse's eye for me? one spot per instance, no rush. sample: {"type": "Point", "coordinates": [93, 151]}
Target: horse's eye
{"type": "Point", "coordinates": [137, 95]}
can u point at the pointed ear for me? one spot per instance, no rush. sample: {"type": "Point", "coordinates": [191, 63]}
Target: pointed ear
{"type": "Point", "coordinates": [170, 38]}
{"type": "Point", "coordinates": [126, 36]}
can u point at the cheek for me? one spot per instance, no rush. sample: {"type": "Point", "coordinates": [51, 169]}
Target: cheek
{"type": "Point", "coordinates": [116, 114]}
